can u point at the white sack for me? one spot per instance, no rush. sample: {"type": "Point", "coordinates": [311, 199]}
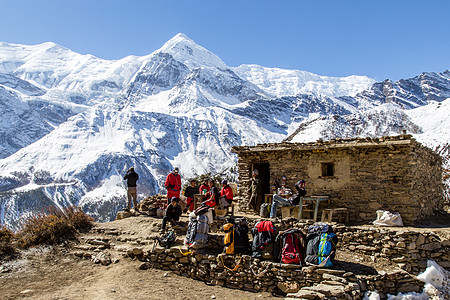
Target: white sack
{"type": "Point", "coordinates": [386, 218]}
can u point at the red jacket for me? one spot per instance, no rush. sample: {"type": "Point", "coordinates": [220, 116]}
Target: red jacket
{"type": "Point", "coordinates": [227, 191]}
{"type": "Point", "coordinates": [203, 187]}
{"type": "Point", "coordinates": [173, 185]}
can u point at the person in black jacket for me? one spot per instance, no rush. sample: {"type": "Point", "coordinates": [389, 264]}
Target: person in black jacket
{"type": "Point", "coordinates": [173, 213]}
{"type": "Point", "coordinates": [294, 200]}
{"type": "Point", "coordinates": [131, 177]}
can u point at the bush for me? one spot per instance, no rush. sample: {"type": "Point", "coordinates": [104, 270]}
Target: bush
{"type": "Point", "coordinates": [6, 237]}
{"type": "Point", "coordinates": [78, 219]}
{"type": "Point", "coordinates": [53, 227]}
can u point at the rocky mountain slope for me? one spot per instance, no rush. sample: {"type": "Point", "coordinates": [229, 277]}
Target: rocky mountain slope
{"type": "Point", "coordinates": [72, 124]}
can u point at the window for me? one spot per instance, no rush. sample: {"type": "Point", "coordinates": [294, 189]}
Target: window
{"type": "Point", "coordinates": [327, 169]}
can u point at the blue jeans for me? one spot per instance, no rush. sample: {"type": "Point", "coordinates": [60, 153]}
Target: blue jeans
{"type": "Point", "coordinates": [277, 200]}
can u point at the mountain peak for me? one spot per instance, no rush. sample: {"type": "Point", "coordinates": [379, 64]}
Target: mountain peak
{"type": "Point", "coordinates": [190, 53]}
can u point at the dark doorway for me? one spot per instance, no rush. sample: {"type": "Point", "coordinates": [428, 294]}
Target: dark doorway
{"type": "Point", "coordinates": [264, 176]}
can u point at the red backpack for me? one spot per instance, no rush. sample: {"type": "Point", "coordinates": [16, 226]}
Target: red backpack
{"type": "Point", "coordinates": [292, 247]}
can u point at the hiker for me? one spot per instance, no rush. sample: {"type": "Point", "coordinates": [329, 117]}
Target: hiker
{"type": "Point", "coordinates": [173, 213]}
{"type": "Point", "coordinates": [226, 194]}
{"type": "Point", "coordinates": [254, 190]}
{"type": "Point", "coordinates": [173, 184]}
{"type": "Point", "coordinates": [293, 200]}
{"type": "Point", "coordinates": [189, 194]}
{"type": "Point", "coordinates": [213, 199]}
{"type": "Point", "coordinates": [131, 177]}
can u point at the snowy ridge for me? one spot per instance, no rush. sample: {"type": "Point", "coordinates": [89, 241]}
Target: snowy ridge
{"type": "Point", "coordinates": [282, 82]}
{"type": "Point", "coordinates": [73, 124]}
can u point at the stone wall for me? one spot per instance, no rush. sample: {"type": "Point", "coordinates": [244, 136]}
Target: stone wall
{"type": "Point", "coordinates": [256, 275]}
{"type": "Point", "coordinates": [398, 175]}
{"type": "Point", "coordinates": [408, 250]}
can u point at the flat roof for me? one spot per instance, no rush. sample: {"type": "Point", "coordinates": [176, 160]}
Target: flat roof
{"type": "Point", "coordinates": [387, 141]}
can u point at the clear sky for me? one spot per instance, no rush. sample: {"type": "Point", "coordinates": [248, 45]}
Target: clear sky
{"type": "Point", "coordinates": [377, 38]}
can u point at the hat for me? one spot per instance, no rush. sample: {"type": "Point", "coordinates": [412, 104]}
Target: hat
{"type": "Point", "coordinates": [224, 182]}
{"type": "Point", "coordinates": [301, 181]}
{"type": "Point", "coordinates": [176, 169]}
{"type": "Point", "coordinates": [255, 171]}
{"type": "Point", "coordinates": [175, 199]}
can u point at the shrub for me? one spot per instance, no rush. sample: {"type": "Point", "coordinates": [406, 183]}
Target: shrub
{"type": "Point", "coordinates": [53, 227]}
{"type": "Point", "coordinates": [78, 219]}
{"type": "Point", "coordinates": [6, 237]}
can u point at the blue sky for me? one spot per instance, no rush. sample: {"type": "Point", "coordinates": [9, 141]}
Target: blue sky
{"type": "Point", "coordinates": [380, 39]}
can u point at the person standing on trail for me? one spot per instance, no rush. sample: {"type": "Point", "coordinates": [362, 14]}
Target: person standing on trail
{"type": "Point", "coordinates": [131, 177]}
{"type": "Point", "coordinates": [173, 185]}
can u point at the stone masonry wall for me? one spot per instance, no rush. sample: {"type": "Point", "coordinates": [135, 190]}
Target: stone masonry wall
{"type": "Point", "coordinates": [405, 178]}
{"type": "Point", "coordinates": [407, 249]}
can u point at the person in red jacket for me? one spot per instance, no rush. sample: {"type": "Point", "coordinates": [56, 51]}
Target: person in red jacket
{"type": "Point", "coordinates": [204, 189]}
{"type": "Point", "coordinates": [173, 184]}
{"type": "Point", "coordinates": [226, 193]}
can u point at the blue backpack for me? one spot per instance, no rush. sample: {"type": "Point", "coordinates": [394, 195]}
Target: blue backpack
{"type": "Point", "coordinates": [321, 245]}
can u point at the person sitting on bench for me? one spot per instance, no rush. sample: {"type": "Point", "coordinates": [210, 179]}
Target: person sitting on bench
{"type": "Point", "coordinates": [226, 194]}
{"type": "Point", "coordinates": [294, 200]}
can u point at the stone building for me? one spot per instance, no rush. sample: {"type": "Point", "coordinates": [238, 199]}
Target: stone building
{"type": "Point", "coordinates": [362, 174]}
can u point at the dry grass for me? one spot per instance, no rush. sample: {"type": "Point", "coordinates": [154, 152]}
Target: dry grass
{"type": "Point", "coordinates": [6, 238]}
{"type": "Point", "coordinates": [53, 227]}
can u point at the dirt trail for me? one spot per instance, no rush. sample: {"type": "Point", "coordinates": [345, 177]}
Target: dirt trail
{"type": "Point", "coordinates": [55, 273]}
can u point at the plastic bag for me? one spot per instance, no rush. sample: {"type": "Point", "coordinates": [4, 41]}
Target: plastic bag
{"type": "Point", "coordinates": [386, 218]}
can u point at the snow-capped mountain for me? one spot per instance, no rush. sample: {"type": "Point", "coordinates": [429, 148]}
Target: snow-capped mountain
{"type": "Point", "coordinates": [73, 124]}
{"type": "Point", "coordinates": [282, 82]}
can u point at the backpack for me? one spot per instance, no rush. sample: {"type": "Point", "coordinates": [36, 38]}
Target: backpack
{"type": "Point", "coordinates": [264, 210]}
{"type": "Point", "coordinates": [167, 239]}
{"type": "Point", "coordinates": [291, 247]}
{"type": "Point", "coordinates": [321, 245]}
{"type": "Point", "coordinates": [201, 210]}
{"type": "Point", "coordinates": [228, 240]}
{"type": "Point", "coordinates": [191, 231]}
{"type": "Point", "coordinates": [264, 234]}
{"type": "Point", "coordinates": [197, 234]}
{"type": "Point", "coordinates": [241, 241]}
{"type": "Point", "coordinates": [236, 237]}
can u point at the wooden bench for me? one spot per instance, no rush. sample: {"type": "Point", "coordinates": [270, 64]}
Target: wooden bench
{"type": "Point", "coordinates": [292, 212]}
{"type": "Point", "coordinates": [341, 214]}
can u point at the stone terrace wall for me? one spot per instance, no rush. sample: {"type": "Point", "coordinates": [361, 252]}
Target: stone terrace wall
{"type": "Point", "coordinates": [256, 275]}
{"type": "Point", "coordinates": [398, 175]}
{"type": "Point", "coordinates": [408, 249]}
